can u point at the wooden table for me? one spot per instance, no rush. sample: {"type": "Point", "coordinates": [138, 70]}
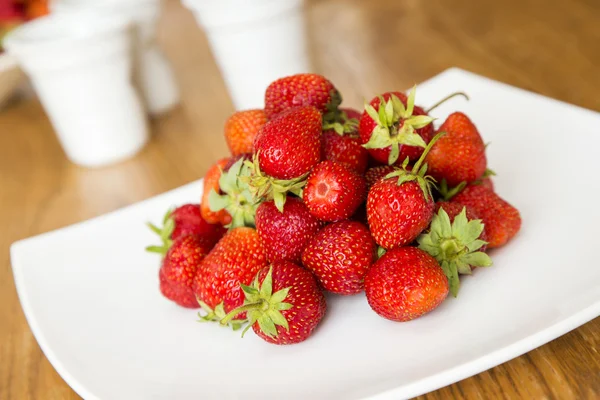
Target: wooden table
{"type": "Point", "coordinates": [365, 47]}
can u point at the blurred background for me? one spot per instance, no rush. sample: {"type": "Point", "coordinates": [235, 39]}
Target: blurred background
{"type": "Point", "coordinates": [191, 63]}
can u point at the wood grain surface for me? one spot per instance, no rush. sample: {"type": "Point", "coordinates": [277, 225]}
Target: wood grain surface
{"type": "Point", "coordinates": [364, 47]}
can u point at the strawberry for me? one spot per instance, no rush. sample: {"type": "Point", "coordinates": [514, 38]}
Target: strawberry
{"type": "Point", "coordinates": [285, 234]}
{"type": "Point", "coordinates": [211, 182]}
{"type": "Point", "coordinates": [183, 221]}
{"type": "Point", "coordinates": [460, 155]}
{"type": "Point", "coordinates": [340, 256]}
{"type": "Point", "coordinates": [236, 259]}
{"type": "Point", "coordinates": [400, 206]}
{"type": "Point", "coordinates": [392, 128]}
{"type": "Point", "coordinates": [502, 220]}
{"type": "Point", "coordinates": [241, 128]}
{"type": "Point", "coordinates": [456, 241]}
{"type": "Point", "coordinates": [344, 149]}
{"type": "Point", "coordinates": [404, 284]}
{"type": "Point", "coordinates": [333, 192]}
{"type": "Point", "coordinates": [176, 274]}
{"type": "Point", "coordinates": [290, 145]}
{"type": "Point", "coordinates": [375, 174]}
{"type": "Point", "coordinates": [284, 304]}
{"type": "Point", "coordinates": [300, 90]}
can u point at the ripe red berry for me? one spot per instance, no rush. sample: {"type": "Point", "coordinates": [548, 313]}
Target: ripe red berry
{"type": "Point", "coordinates": [340, 255]}
{"type": "Point", "coordinates": [333, 192]}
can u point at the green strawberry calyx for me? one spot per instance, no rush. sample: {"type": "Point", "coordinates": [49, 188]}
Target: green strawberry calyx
{"type": "Point", "coordinates": [264, 187]}
{"type": "Point", "coordinates": [456, 246]}
{"type": "Point", "coordinates": [448, 192]}
{"type": "Point", "coordinates": [396, 125]}
{"type": "Point", "coordinates": [341, 124]}
{"type": "Point", "coordinates": [263, 306]}
{"type": "Point", "coordinates": [164, 233]}
{"type": "Point", "coordinates": [237, 199]}
{"type": "Point", "coordinates": [418, 172]}
{"type": "Point", "coordinates": [217, 314]}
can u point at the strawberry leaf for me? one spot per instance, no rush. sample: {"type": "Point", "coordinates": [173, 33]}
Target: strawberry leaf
{"type": "Point", "coordinates": [478, 259]}
{"type": "Point", "coordinates": [410, 102]}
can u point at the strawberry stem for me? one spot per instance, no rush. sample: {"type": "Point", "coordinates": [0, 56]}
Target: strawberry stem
{"type": "Point", "coordinates": [417, 165]}
{"type": "Point", "coordinates": [445, 99]}
{"type": "Point", "coordinates": [241, 309]}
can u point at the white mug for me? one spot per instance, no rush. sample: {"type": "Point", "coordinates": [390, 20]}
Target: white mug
{"type": "Point", "coordinates": [80, 67]}
{"type": "Point", "coordinates": [254, 43]}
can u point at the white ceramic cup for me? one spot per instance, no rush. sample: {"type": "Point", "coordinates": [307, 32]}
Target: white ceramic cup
{"type": "Point", "coordinates": [80, 67]}
{"type": "Point", "coordinates": [254, 43]}
{"type": "Point", "coordinates": [152, 72]}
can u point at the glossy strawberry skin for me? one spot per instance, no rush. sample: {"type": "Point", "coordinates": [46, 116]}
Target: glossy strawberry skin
{"type": "Point", "coordinates": [340, 256]}
{"type": "Point", "coordinates": [404, 284]}
{"type": "Point", "coordinates": [211, 181]}
{"type": "Point", "coordinates": [308, 302]}
{"type": "Point", "coordinates": [397, 214]}
{"type": "Point", "coordinates": [176, 274]}
{"type": "Point", "coordinates": [502, 221]}
{"type": "Point", "coordinates": [188, 221]}
{"type": "Point", "coordinates": [367, 124]}
{"type": "Point", "coordinates": [290, 145]}
{"type": "Point", "coordinates": [241, 128]}
{"type": "Point", "coordinates": [236, 259]}
{"type": "Point", "coordinates": [333, 192]}
{"type": "Point", "coordinates": [285, 235]}
{"type": "Point", "coordinates": [296, 91]}
{"type": "Point", "coordinates": [346, 150]}
{"type": "Point", "coordinates": [375, 174]}
{"type": "Point", "coordinates": [459, 156]}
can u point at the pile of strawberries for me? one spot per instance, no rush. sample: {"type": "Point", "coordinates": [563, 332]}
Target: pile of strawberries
{"type": "Point", "coordinates": [318, 198]}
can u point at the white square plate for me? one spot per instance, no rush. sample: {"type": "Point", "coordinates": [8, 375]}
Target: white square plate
{"type": "Point", "coordinates": [90, 292]}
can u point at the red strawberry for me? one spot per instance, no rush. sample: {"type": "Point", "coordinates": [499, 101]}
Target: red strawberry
{"type": "Point", "coordinates": [344, 149]}
{"type": "Point", "coordinates": [285, 234]}
{"type": "Point", "coordinates": [241, 128]}
{"type": "Point", "coordinates": [284, 304]}
{"type": "Point", "coordinates": [401, 206]}
{"type": "Point", "coordinates": [460, 155]}
{"type": "Point", "coordinates": [300, 90]}
{"type": "Point", "coordinates": [179, 267]}
{"type": "Point", "coordinates": [340, 255]}
{"type": "Point", "coordinates": [404, 284]}
{"type": "Point", "coordinates": [290, 145]}
{"type": "Point", "coordinates": [502, 220]}
{"type": "Point", "coordinates": [211, 182]}
{"type": "Point", "coordinates": [183, 221]}
{"type": "Point", "coordinates": [235, 259]}
{"type": "Point", "coordinates": [456, 241]}
{"type": "Point", "coordinates": [375, 174]}
{"type": "Point", "coordinates": [392, 128]}
{"type": "Point", "coordinates": [333, 192]}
